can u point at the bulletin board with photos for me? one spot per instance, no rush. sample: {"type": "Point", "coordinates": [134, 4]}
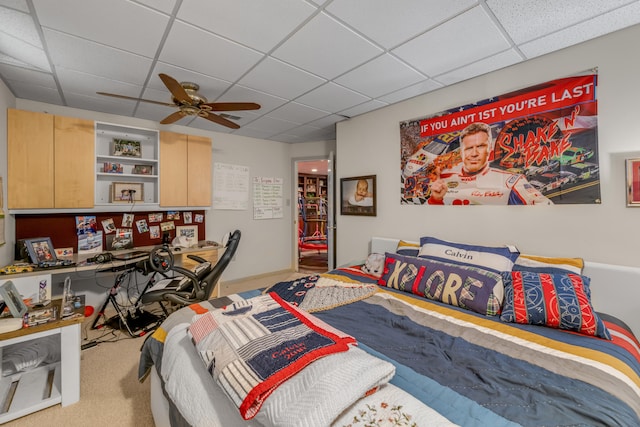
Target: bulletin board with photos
{"type": "Point", "coordinates": [62, 228]}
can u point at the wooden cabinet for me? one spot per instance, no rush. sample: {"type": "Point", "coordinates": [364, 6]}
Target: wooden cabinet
{"type": "Point", "coordinates": [50, 161]}
{"type": "Point", "coordinates": [57, 162]}
{"type": "Point", "coordinates": [185, 162]}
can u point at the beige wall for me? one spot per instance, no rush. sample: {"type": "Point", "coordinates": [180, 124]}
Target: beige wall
{"type": "Point", "coordinates": [369, 144]}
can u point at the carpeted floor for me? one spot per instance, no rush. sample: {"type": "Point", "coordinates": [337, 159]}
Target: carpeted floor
{"type": "Point", "coordinates": [314, 261]}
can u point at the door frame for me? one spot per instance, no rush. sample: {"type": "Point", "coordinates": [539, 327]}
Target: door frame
{"type": "Point", "coordinates": [331, 251]}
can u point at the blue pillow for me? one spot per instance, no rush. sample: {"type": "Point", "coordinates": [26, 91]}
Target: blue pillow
{"type": "Point", "coordinates": [560, 301]}
{"type": "Point", "coordinates": [494, 258]}
{"type": "Point", "coordinates": [473, 288]}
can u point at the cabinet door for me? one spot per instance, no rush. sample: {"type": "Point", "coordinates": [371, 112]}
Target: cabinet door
{"type": "Point", "coordinates": [199, 171]}
{"type": "Point", "coordinates": [30, 179]}
{"type": "Point", "coordinates": [74, 173]}
{"type": "Point", "coordinates": [173, 169]}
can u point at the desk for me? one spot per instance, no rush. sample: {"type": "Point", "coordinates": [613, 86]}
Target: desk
{"type": "Point", "coordinates": [85, 275]}
{"type": "Point", "coordinates": [26, 392]}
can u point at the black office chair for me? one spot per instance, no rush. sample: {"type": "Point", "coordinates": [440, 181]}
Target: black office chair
{"type": "Point", "coordinates": [192, 288]}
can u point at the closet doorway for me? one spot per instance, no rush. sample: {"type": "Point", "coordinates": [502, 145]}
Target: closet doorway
{"type": "Point", "coordinates": [314, 219]}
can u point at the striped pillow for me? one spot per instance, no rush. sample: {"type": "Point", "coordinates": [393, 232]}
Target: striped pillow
{"type": "Point", "coordinates": [561, 301]}
{"type": "Point", "coordinates": [541, 264]}
{"type": "Point", "coordinates": [408, 248]}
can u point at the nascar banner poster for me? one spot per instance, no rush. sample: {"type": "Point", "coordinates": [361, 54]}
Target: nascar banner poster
{"type": "Point", "coordinates": [538, 145]}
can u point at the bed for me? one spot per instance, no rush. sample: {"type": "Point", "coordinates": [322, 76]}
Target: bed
{"type": "Point", "coordinates": [423, 349]}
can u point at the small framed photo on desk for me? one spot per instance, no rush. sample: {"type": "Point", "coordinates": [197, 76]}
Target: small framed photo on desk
{"type": "Point", "coordinates": [12, 298]}
{"type": "Point", "coordinates": [40, 250]}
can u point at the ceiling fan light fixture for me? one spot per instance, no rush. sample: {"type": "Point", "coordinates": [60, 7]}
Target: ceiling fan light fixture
{"type": "Point", "coordinates": [185, 96]}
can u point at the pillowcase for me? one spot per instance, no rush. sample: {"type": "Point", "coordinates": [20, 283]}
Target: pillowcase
{"type": "Point", "coordinates": [540, 264]}
{"type": "Point", "coordinates": [473, 288]}
{"type": "Point", "coordinates": [560, 301]}
{"type": "Point", "coordinates": [408, 248]}
{"type": "Point", "coordinates": [495, 258]}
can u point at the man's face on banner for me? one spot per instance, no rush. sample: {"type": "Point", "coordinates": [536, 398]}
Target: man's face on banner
{"type": "Point", "coordinates": [475, 151]}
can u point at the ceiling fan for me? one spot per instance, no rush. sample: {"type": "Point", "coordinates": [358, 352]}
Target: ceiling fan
{"type": "Point", "coordinates": [185, 96]}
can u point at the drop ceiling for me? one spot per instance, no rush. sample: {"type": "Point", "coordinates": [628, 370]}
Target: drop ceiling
{"type": "Point", "coordinates": [308, 63]}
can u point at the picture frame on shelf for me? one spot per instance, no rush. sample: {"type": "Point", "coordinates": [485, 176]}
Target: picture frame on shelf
{"type": "Point", "coordinates": [126, 148]}
{"type": "Point", "coordinates": [12, 298]}
{"type": "Point", "coordinates": [358, 195]}
{"type": "Point", "coordinates": [127, 192]}
{"type": "Point", "coordinates": [40, 250]}
{"type": "Point", "coordinates": [633, 182]}
{"type": "Point", "coordinates": [109, 167]}
{"type": "Point", "coordinates": [189, 232]}
{"type": "Point", "coordinates": [142, 170]}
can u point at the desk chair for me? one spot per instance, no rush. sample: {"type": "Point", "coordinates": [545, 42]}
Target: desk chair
{"type": "Point", "coordinates": [191, 288]}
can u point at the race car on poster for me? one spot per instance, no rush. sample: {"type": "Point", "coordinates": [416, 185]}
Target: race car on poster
{"type": "Point", "coordinates": [553, 180]}
{"type": "Point", "coordinates": [550, 166]}
{"type": "Point", "coordinates": [584, 170]}
{"type": "Point", "coordinates": [426, 153]}
{"type": "Point", "coordinates": [575, 155]}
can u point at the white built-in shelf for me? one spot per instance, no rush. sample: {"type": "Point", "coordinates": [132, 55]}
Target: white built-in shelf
{"type": "Point", "coordinates": [148, 158]}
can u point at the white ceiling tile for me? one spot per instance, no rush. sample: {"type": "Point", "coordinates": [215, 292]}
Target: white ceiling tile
{"type": "Point", "coordinates": [82, 55]}
{"type": "Point", "coordinates": [332, 97]}
{"type": "Point", "coordinates": [88, 84]}
{"type": "Point", "coordinates": [326, 48]}
{"type": "Point", "coordinates": [270, 124]}
{"type": "Point", "coordinates": [242, 94]}
{"type": "Point", "coordinates": [15, 4]}
{"type": "Point", "coordinates": [382, 75]}
{"type": "Point", "coordinates": [212, 53]}
{"type": "Point", "coordinates": [165, 6]}
{"type": "Point", "coordinates": [257, 16]}
{"type": "Point", "coordinates": [98, 103]}
{"type": "Point", "coordinates": [297, 113]}
{"type": "Point", "coordinates": [327, 121]}
{"type": "Point", "coordinates": [411, 91]}
{"type": "Point", "coordinates": [35, 92]}
{"type": "Point", "coordinates": [389, 23]}
{"type": "Point", "coordinates": [277, 78]}
{"type": "Point", "coordinates": [118, 24]}
{"type": "Point", "coordinates": [363, 108]}
{"type": "Point", "coordinates": [620, 18]}
{"type": "Point", "coordinates": [460, 41]}
{"type": "Point", "coordinates": [19, 25]}
{"type": "Point", "coordinates": [19, 74]}
{"type": "Point", "coordinates": [544, 17]}
{"type": "Point", "coordinates": [495, 62]}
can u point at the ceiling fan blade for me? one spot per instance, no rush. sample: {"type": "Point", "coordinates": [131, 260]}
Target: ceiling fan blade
{"type": "Point", "coordinates": [221, 121]}
{"type": "Point", "coordinates": [232, 106]}
{"type": "Point", "coordinates": [135, 99]}
{"type": "Point", "coordinates": [176, 89]}
{"type": "Point", "coordinates": [171, 118]}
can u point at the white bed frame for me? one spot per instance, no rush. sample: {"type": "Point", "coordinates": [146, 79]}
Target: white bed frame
{"type": "Point", "coordinates": [615, 289]}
